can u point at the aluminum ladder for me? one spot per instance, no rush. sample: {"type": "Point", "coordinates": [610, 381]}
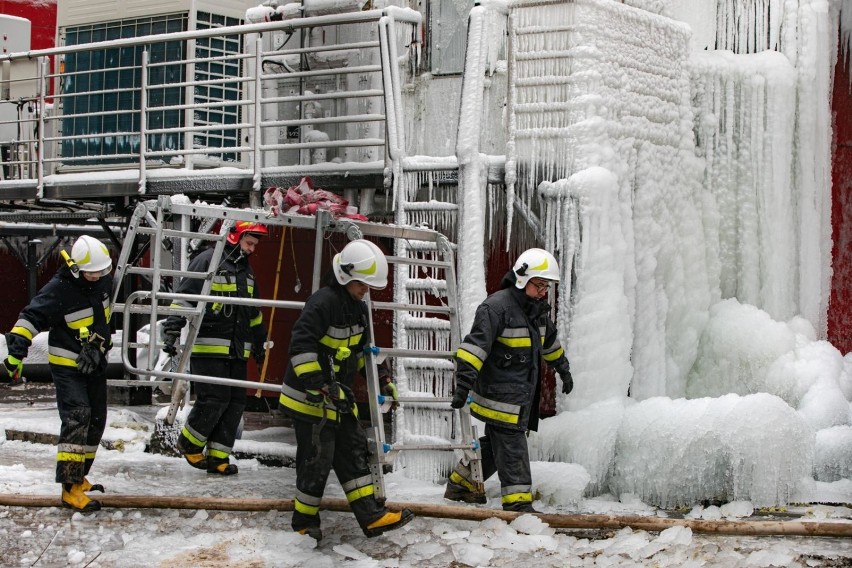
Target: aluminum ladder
{"type": "Point", "coordinates": [149, 218]}
{"type": "Point", "coordinates": [463, 438]}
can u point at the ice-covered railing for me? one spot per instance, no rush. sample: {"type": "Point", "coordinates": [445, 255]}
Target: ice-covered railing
{"type": "Point", "coordinates": [241, 96]}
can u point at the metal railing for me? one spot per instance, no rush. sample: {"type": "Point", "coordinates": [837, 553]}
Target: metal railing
{"type": "Point", "coordinates": [187, 101]}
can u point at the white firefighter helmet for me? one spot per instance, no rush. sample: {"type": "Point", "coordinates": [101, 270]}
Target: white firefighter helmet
{"type": "Point", "coordinates": [363, 261]}
{"type": "Point", "coordinates": [91, 255]}
{"type": "Point", "coordinates": [535, 263]}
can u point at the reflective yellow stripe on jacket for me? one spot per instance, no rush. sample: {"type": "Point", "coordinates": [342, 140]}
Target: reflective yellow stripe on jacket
{"type": "Point", "coordinates": [488, 409]}
{"type": "Point", "coordinates": [61, 357]}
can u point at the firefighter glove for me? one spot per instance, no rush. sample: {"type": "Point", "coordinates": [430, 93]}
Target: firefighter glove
{"type": "Point", "coordinates": [459, 397]}
{"type": "Point", "coordinates": [89, 359]}
{"type": "Point", "coordinates": [170, 337]}
{"type": "Point", "coordinates": [313, 381]}
{"type": "Point", "coordinates": [567, 381]}
{"type": "Point", "coordinates": [314, 396]}
{"type": "Point", "coordinates": [259, 354]}
{"type": "Point", "coordinates": [14, 370]}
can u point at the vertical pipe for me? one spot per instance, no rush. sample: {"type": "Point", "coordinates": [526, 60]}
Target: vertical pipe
{"type": "Point", "coordinates": [143, 120]}
{"type": "Point", "coordinates": [257, 156]}
{"type": "Point", "coordinates": [32, 267]}
{"type": "Point", "coordinates": [40, 141]}
{"type": "Point", "coordinates": [189, 90]}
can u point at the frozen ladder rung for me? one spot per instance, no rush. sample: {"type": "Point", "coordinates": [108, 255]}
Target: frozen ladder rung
{"type": "Point", "coordinates": [426, 324]}
{"type": "Point", "coordinates": [423, 447]}
{"type": "Point", "coordinates": [425, 246]}
{"type": "Point", "coordinates": [415, 353]}
{"type": "Point", "coordinates": [431, 364]}
{"type": "Point", "coordinates": [548, 54]}
{"type": "Point", "coordinates": [425, 262]}
{"type": "Point", "coordinates": [545, 81]}
{"type": "Point", "coordinates": [413, 308]}
{"type": "Point", "coordinates": [431, 206]}
{"type": "Point", "coordinates": [426, 284]}
{"type": "Point", "coordinates": [532, 30]}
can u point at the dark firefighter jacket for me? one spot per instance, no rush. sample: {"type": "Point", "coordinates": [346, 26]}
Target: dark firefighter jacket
{"type": "Point", "coordinates": [70, 308]}
{"type": "Point", "coordinates": [227, 330]}
{"type": "Point", "coordinates": [330, 323]}
{"type": "Point", "coordinates": [499, 360]}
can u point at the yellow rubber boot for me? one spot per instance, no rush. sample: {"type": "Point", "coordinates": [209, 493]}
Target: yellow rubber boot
{"type": "Point", "coordinates": [74, 498]}
{"type": "Point", "coordinates": [388, 522]}
{"type": "Point", "coordinates": [87, 486]}
{"type": "Point", "coordinates": [198, 461]}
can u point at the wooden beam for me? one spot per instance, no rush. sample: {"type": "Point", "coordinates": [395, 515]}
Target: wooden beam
{"type": "Point", "coordinates": [467, 513]}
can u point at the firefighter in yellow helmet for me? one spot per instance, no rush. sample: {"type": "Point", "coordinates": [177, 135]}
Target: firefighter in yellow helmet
{"type": "Point", "coordinates": [498, 372]}
{"type": "Point", "coordinates": [229, 335]}
{"type": "Point", "coordinates": [326, 351]}
{"type": "Point", "coordinates": [75, 306]}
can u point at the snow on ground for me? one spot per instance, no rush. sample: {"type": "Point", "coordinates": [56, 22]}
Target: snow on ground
{"type": "Point", "coordinates": [153, 537]}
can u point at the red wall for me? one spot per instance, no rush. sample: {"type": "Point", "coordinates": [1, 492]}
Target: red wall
{"type": "Point", "coordinates": [297, 261]}
{"type": "Point", "coordinates": [840, 305]}
{"type": "Point", "coordinates": [42, 17]}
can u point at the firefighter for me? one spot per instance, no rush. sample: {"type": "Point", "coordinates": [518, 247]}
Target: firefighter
{"type": "Point", "coordinates": [326, 351]}
{"type": "Point", "coordinates": [75, 306]}
{"type": "Point", "coordinates": [497, 365]}
{"type": "Point", "coordinates": [228, 336]}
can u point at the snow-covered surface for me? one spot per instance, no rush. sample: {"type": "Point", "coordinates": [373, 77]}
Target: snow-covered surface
{"type": "Point", "coordinates": [153, 537]}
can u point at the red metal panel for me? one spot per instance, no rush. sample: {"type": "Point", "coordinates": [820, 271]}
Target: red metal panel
{"type": "Point", "coordinates": [840, 305]}
{"type": "Point", "coordinates": [42, 16]}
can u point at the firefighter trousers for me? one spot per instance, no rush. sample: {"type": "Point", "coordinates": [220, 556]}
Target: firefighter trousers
{"type": "Point", "coordinates": [342, 447]}
{"type": "Point", "coordinates": [216, 414]}
{"type": "Point", "coordinates": [82, 404]}
{"type": "Point", "coordinates": [505, 451]}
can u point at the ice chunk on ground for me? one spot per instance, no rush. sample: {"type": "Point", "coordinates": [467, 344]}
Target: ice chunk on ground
{"type": "Point", "coordinates": [678, 452]}
{"type": "Point", "coordinates": [560, 484]}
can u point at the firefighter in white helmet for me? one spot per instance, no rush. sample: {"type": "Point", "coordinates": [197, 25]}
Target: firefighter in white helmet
{"type": "Point", "coordinates": [326, 351]}
{"type": "Point", "coordinates": [498, 372]}
{"type": "Point", "coordinates": [75, 306]}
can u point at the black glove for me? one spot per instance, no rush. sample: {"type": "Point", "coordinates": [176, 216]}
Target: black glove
{"type": "Point", "coordinates": [459, 397]}
{"type": "Point", "coordinates": [315, 396]}
{"type": "Point", "coordinates": [14, 371]}
{"type": "Point", "coordinates": [567, 381]}
{"type": "Point", "coordinates": [170, 337]}
{"type": "Point", "coordinates": [313, 381]}
{"type": "Point", "coordinates": [89, 359]}
{"type": "Point", "coordinates": [259, 355]}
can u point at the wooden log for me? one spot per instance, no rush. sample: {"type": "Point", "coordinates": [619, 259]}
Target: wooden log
{"type": "Point", "coordinates": [467, 513]}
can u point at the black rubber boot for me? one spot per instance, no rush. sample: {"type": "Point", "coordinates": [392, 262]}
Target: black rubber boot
{"type": "Point", "coordinates": [522, 508]}
{"type": "Point", "coordinates": [193, 455]}
{"type": "Point", "coordinates": [87, 486]}
{"type": "Point", "coordinates": [455, 492]}
{"type": "Point", "coordinates": [313, 532]}
{"type": "Point", "coordinates": [221, 467]}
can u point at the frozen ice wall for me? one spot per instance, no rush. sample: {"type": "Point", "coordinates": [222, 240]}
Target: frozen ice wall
{"type": "Point", "coordinates": [597, 85]}
{"type": "Point", "coordinates": [744, 131]}
{"type": "Point", "coordinates": [667, 180]}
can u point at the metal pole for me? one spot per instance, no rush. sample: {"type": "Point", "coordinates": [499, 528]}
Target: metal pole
{"type": "Point", "coordinates": [32, 267]}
